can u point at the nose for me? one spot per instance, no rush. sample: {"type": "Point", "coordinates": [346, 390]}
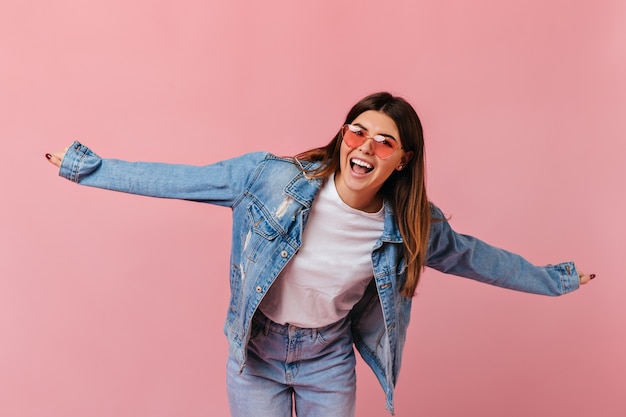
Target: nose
{"type": "Point", "coordinates": [367, 146]}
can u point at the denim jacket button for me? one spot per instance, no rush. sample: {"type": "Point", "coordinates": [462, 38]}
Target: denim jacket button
{"type": "Point", "coordinates": [284, 254]}
{"type": "Point", "coordinates": [259, 289]}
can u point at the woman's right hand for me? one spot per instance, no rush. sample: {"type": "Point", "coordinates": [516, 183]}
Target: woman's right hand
{"type": "Point", "coordinates": [56, 158]}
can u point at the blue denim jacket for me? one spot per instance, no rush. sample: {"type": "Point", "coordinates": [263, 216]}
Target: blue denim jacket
{"type": "Point", "coordinates": [270, 199]}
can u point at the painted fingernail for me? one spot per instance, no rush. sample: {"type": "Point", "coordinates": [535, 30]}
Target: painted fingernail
{"type": "Point", "coordinates": [592, 276]}
{"type": "Point", "coordinates": [48, 156]}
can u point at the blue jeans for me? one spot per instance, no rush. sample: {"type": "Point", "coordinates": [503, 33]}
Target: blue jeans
{"type": "Point", "coordinates": [311, 368]}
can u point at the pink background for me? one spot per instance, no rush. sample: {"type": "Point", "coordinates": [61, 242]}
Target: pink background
{"type": "Point", "coordinates": [113, 305]}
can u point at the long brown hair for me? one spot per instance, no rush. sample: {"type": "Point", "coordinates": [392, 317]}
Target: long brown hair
{"type": "Point", "coordinates": [405, 190]}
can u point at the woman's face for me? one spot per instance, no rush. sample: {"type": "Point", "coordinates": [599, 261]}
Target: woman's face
{"type": "Point", "coordinates": [361, 172]}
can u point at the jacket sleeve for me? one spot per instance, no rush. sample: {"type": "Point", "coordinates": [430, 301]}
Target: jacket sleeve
{"type": "Point", "coordinates": [469, 257]}
{"type": "Point", "coordinates": [222, 183]}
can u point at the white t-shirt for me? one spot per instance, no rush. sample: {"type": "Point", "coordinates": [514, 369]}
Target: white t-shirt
{"type": "Point", "coordinates": [330, 272]}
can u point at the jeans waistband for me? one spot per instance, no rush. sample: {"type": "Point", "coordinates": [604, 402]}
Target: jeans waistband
{"type": "Point", "coordinates": [269, 326]}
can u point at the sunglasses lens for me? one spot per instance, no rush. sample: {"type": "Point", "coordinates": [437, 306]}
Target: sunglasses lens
{"type": "Point", "coordinates": [354, 137]}
{"type": "Point", "coordinates": [383, 150]}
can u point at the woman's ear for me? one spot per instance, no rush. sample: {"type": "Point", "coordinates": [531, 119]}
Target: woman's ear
{"type": "Point", "coordinates": [406, 157]}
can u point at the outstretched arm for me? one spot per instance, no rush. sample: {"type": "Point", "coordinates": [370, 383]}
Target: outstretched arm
{"type": "Point", "coordinates": [221, 183]}
{"type": "Point", "coordinates": [467, 256]}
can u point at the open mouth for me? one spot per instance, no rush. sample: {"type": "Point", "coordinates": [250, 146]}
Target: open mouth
{"type": "Point", "coordinates": [360, 167]}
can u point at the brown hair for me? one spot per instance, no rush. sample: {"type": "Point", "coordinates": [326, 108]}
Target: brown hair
{"type": "Point", "coordinates": [405, 190]}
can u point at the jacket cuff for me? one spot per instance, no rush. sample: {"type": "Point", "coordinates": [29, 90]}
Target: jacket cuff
{"type": "Point", "coordinates": [568, 275]}
{"type": "Point", "coordinates": [73, 161]}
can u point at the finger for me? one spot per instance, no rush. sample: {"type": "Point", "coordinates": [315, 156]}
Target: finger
{"type": "Point", "coordinates": [584, 278]}
{"type": "Point", "coordinates": [56, 158]}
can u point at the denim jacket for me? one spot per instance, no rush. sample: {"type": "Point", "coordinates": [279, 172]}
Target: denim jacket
{"type": "Point", "coordinates": [270, 199]}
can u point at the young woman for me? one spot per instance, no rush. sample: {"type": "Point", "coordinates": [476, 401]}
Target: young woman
{"type": "Point", "coordinates": [327, 250]}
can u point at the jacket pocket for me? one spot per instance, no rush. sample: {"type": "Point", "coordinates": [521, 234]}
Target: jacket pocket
{"type": "Point", "coordinates": [259, 234]}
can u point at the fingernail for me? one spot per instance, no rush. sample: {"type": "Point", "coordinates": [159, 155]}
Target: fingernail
{"type": "Point", "coordinates": [48, 156]}
{"type": "Point", "coordinates": [592, 276]}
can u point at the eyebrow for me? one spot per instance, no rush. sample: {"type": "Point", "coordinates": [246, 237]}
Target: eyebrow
{"type": "Point", "coordinates": [380, 134]}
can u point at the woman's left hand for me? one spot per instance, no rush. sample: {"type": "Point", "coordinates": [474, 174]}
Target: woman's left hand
{"type": "Point", "coordinates": [57, 157]}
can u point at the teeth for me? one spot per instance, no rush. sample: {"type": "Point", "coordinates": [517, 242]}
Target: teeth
{"type": "Point", "coordinates": [362, 163]}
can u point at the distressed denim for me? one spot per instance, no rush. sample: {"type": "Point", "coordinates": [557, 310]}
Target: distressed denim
{"type": "Point", "coordinates": [270, 199]}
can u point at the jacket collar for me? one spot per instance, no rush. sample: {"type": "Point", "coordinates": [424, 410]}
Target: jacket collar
{"type": "Point", "coordinates": [303, 188]}
{"type": "Point", "coordinates": [391, 232]}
